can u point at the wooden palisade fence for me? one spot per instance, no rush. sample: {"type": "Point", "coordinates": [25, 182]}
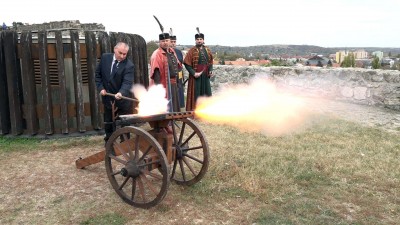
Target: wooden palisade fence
{"type": "Point", "coordinates": [47, 80]}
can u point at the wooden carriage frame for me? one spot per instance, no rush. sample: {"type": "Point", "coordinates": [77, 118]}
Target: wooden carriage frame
{"type": "Point", "coordinates": [140, 162]}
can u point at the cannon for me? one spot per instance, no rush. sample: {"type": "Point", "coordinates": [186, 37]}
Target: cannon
{"type": "Point", "coordinates": [141, 162]}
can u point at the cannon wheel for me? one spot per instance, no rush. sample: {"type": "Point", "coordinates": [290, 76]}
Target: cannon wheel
{"type": "Point", "coordinates": [192, 153]}
{"type": "Point", "coordinates": [137, 167]}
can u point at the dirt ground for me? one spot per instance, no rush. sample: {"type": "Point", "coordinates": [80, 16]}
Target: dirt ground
{"type": "Point", "coordinates": [45, 187]}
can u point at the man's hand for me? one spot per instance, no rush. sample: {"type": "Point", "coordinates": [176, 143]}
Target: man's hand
{"type": "Point", "coordinates": [103, 92]}
{"type": "Point", "coordinates": [118, 96]}
{"type": "Point", "coordinates": [198, 74]}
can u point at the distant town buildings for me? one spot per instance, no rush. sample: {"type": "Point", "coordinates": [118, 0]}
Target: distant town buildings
{"type": "Point", "coordinates": [318, 61]}
{"type": "Point", "coordinates": [358, 54]}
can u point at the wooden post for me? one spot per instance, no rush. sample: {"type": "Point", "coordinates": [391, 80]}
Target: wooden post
{"type": "Point", "coordinates": [94, 97]}
{"type": "Point", "coordinates": [4, 109]}
{"type": "Point", "coordinates": [113, 40]}
{"type": "Point", "coordinates": [62, 82]}
{"type": "Point", "coordinates": [143, 60]}
{"type": "Point", "coordinates": [13, 81]}
{"type": "Point", "coordinates": [46, 86]}
{"type": "Point", "coordinates": [135, 59]}
{"type": "Point", "coordinates": [104, 41]}
{"type": "Point", "coordinates": [139, 50]}
{"type": "Point", "coordinates": [76, 67]}
{"type": "Point", "coordinates": [28, 84]}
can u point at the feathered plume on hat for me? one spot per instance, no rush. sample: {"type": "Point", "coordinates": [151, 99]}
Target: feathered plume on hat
{"type": "Point", "coordinates": [198, 35]}
{"type": "Point", "coordinates": [163, 35]}
{"type": "Point", "coordinates": [171, 34]}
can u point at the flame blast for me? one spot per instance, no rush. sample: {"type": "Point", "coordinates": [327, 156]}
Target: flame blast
{"type": "Point", "coordinates": [258, 106]}
{"type": "Point", "coordinates": [152, 101]}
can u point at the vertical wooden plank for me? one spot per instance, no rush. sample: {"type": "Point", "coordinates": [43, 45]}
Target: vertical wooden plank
{"type": "Point", "coordinates": [104, 41]}
{"type": "Point", "coordinates": [94, 97]}
{"type": "Point", "coordinates": [113, 40]}
{"type": "Point", "coordinates": [143, 57]}
{"type": "Point", "coordinates": [135, 60]}
{"type": "Point", "coordinates": [13, 81]}
{"type": "Point", "coordinates": [76, 67]}
{"type": "Point", "coordinates": [5, 125]}
{"type": "Point", "coordinates": [46, 86]}
{"type": "Point", "coordinates": [63, 82]}
{"type": "Point", "coordinates": [142, 64]}
{"type": "Point", "coordinates": [28, 84]}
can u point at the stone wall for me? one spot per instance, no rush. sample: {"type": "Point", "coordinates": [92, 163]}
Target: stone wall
{"type": "Point", "coordinates": [362, 86]}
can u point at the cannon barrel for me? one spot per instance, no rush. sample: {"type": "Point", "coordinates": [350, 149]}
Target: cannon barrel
{"type": "Point", "coordinates": [126, 120]}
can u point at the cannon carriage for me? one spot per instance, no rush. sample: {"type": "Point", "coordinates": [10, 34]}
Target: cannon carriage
{"type": "Point", "coordinates": [141, 162]}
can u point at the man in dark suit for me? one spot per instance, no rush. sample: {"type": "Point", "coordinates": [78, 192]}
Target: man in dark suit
{"type": "Point", "coordinates": [114, 74]}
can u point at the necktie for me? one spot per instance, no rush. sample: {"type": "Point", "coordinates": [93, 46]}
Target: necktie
{"type": "Point", "coordinates": [114, 68]}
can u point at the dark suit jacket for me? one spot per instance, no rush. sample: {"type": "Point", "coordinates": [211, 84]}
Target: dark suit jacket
{"type": "Point", "coordinates": [120, 81]}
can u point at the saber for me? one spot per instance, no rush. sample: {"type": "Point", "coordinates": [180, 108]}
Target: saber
{"type": "Point", "coordinates": [123, 97]}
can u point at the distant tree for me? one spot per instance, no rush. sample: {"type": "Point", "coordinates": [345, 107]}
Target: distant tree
{"type": "Point", "coordinates": [232, 56]}
{"type": "Point", "coordinates": [329, 64]}
{"type": "Point", "coordinates": [223, 59]}
{"type": "Point", "coordinates": [376, 63]}
{"type": "Point", "coordinates": [151, 47]}
{"type": "Point", "coordinates": [390, 54]}
{"type": "Point", "coordinates": [319, 64]}
{"type": "Point", "coordinates": [275, 62]}
{"type": "Point", "coordinates": [307, 63]}
{"type": "Point", "coordinates": [348, 61]}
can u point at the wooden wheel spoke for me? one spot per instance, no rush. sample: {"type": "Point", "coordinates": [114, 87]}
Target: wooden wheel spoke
{"type": "Point", "coordinates": [194, 148]}
{"type": "Point", "coordinates": [124, 137]}
{"type": "Point", "coordinates": [174, 168]}
{"type": "Point", "coordinates": [182, 132]}
{"type": "Point", "coordinates": [145, 154]}
{"type": "Point", "coordinates": [117, 159]}
{"type": "Point", "coordinates": [130, 152]}
{"type": "Point", "coordinates": [120, 149]}
{"type": "Point", "coordinates": [189, 138]}
{"type": "Point", "coordinates": [123, 183]}
{"type": "Point", "coordinates": [192, 157]}
{"type": "Point", "coordinates": [189, 166]}
{"type": "Point", "coordinates": [141, 189]}
{"type": "Point", "coordinates": [137, 147]}
{"type": "Point", "coordinates": [182, 170]}
{"type": "Point", "coordinates": [149, 184]}
{"type": "Point", "coordinates": [149, 163]}
{"type": "Point", "coordinates": [151, 174]}
{"type": "Point", "coordinates": [133, 189]}
{"type": "Point", "coordinates": [115, 173]}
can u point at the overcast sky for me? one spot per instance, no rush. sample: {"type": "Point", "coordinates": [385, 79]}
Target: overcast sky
{"type": "Point", "coordinates": [336, 23]}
